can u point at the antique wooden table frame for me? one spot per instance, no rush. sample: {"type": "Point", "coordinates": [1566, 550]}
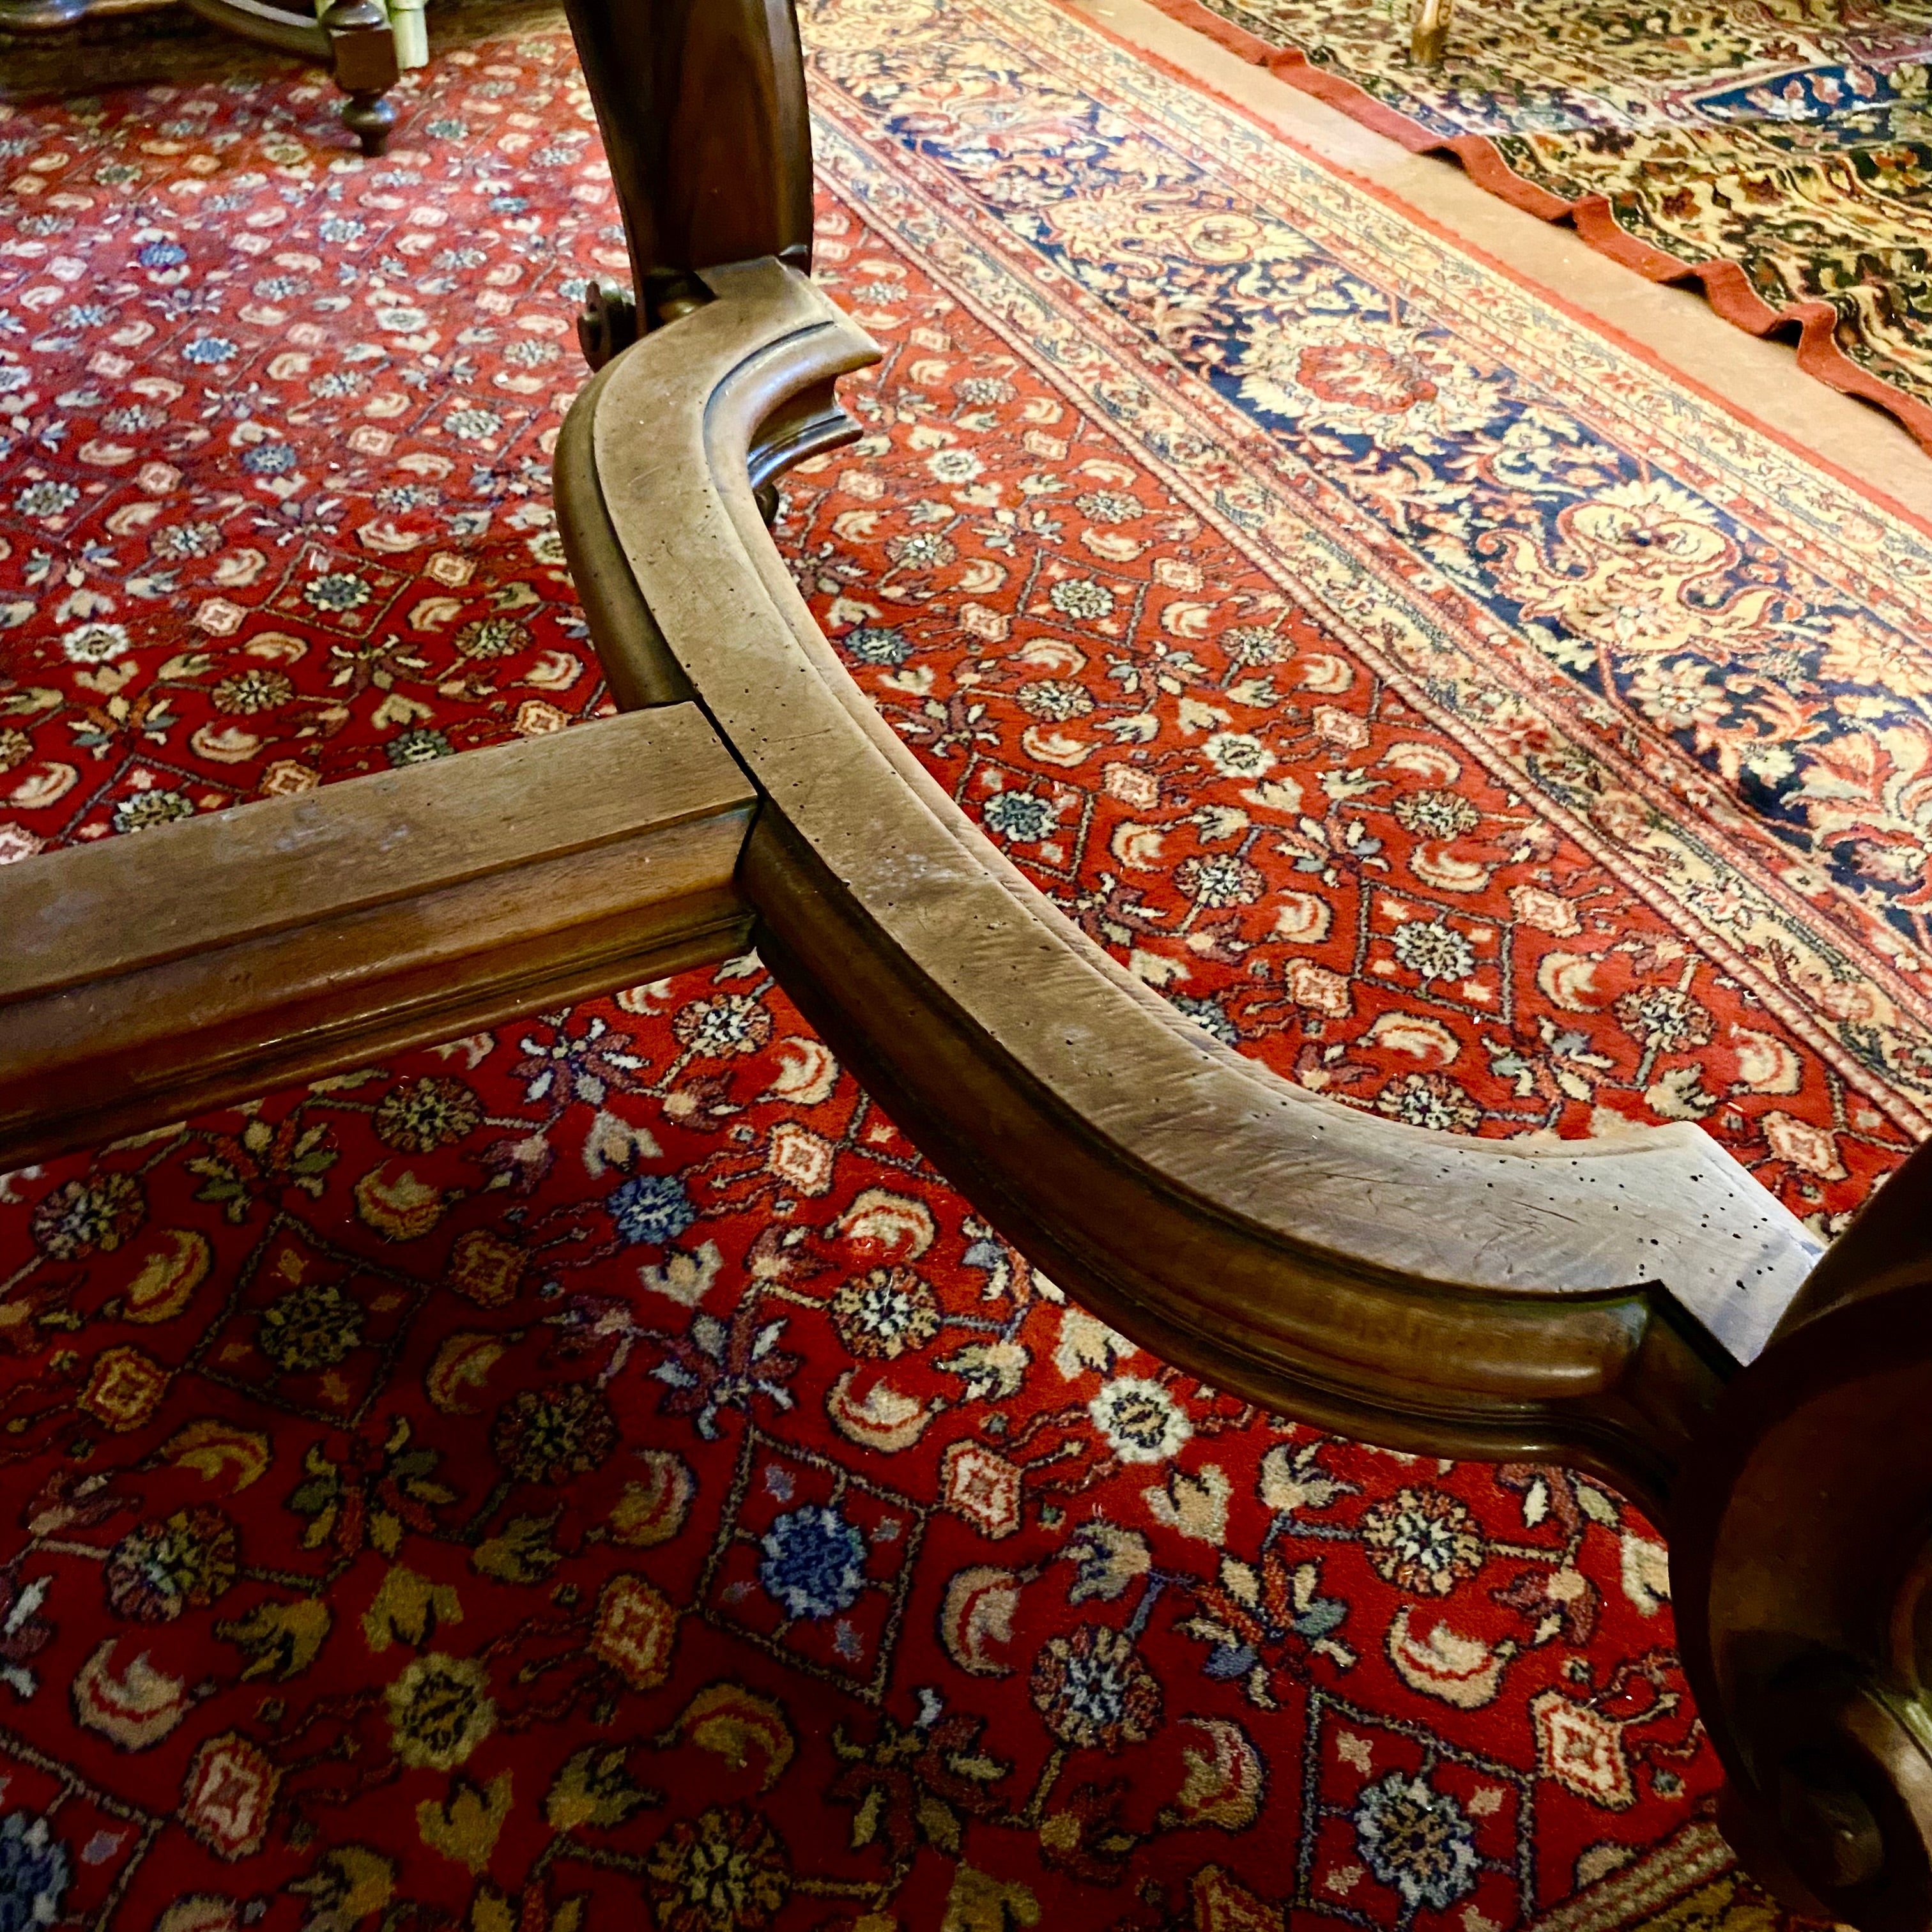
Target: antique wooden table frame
{"type": "Point", "coordinates": [1639, 1307]}
{"type": "Point", "coordinates": [352, 38]}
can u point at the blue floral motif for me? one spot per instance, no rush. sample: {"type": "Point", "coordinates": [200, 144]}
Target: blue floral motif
{"type": "Point", "coordinates": [877, 644]}
{"type": "Point", "coordinates": [145, 809]}
{"type": "Point", "coordinates": [421, 746]}
{"type": "Point", "coordinates": [651, 1207]}
{"type": "Point", "coordinates": [95, 644]}
{"type": "Point", "coordinates": [814, 1562]}
{"type": "Point", "coordinates": [1416, 1839]}
{"type": "Point", "coordinates": [162, 255]}
{"type": "Point", "coordinates": [210, 350]}
{"type": "Point", "coordinates": [47, 499]}
{"type": "Point", "coordinates": [1024, 816]}
{"type": "Point", "coordinates": [34, 1874]}
{"type": "Point", "coordinates": [475, 424]}
{"type": "Point", "coordinates": [340, 591]}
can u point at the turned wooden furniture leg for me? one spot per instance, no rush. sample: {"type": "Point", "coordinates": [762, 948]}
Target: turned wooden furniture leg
{"type": "Point", "coordinates": [362, 46]}
{"type": "Point", "coordinates": [1429, 31]}
{"type": "Point", "coordinates": [354, 37]}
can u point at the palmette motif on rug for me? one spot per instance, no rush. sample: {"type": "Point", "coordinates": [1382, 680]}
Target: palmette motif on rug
{"type": "Point", "coordinates": [596, 1469]}
{"type": "Point", "coordinates": [1781, 154]}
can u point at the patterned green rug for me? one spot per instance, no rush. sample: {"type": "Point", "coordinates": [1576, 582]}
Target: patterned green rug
{"type": "Point", "coordinates": [1785, 161]}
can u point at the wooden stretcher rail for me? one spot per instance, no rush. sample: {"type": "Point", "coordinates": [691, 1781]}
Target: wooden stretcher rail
{"type": "Point", "coordinates": [205, 962]}
{"type": "Point", "coordinates": [1459, 1296]}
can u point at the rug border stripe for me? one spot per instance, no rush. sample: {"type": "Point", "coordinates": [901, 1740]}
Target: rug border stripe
{"type": "Point", "coordinates": [1889, 1098]}
{"type": "Point", "coordinates": [1725, 285]}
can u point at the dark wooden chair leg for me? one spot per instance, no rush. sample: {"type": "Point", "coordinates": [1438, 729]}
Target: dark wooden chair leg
{"type": "Point", "coordinates": [362, 46]}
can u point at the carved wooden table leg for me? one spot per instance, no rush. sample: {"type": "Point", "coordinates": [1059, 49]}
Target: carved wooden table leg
{"type": "Point", "coordinates": [1611, 1305]}
{"type": "Point", "coordinates": [355, 37]}
{"type": "Point", "coordinates": [701, 106]}
{"type": "Point", "coordinates": [1429, 31]}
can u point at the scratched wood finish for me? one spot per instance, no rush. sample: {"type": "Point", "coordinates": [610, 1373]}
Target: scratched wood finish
{"type": "Point", "coordinates": [206, 961]}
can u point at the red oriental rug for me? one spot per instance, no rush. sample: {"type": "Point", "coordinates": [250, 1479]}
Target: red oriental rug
{"type": "Point", "coordinates": [594, 1474]}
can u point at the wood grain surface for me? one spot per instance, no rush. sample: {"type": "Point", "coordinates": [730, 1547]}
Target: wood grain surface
{"type": "Point", "coordinates": [206, 961]}
{"type": "Point", "coordinates": [1458, 1296]}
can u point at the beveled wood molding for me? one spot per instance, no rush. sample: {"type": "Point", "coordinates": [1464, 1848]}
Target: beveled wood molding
{"type": "Point", "coordinates": [204, 962]}
{"type": "Point", "coordinates": [1425, 1291]}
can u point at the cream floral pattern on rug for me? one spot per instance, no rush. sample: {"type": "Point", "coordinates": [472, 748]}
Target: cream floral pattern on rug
{"type": "Point", "coordinates": [595, 1473]}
